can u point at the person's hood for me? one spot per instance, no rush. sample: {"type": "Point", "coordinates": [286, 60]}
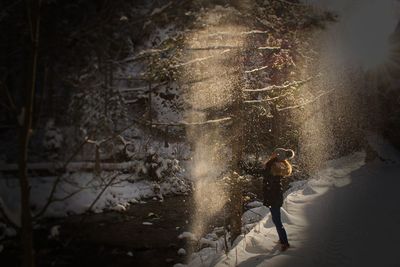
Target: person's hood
{"type": "Point", "coordinates": [283, 154]}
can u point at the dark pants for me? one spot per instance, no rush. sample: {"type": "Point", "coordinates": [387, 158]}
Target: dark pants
{"type": "Point", "coordinates": [276, 218]}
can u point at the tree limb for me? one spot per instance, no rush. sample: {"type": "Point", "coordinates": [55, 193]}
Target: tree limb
{"type": "Point", "coordinates": [185, 123]}
{"type": "Point", "coordinates": [269, 48]}
{"type": "Point", "coordinates": [102, 191]}
{"type": "Point", "coordinates": [284, 86]}
{"type": "Point", "coordinates": [307, 102]}
{"type": "Point", "coordinates": [58, 180]}
{"type": "Point", "coordinates": [67, 196]}
{"type": "Point", "coordinates": [199, 59]}
{"type": "Point", "coordinates": [238, 33]}
{"type": "Point", "coordinates": [269, 99]}
{"type": "Point", "coordinates": [257, 69]}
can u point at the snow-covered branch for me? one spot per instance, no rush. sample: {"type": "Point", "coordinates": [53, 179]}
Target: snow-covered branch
{"type": "Point", "coordinates": [143, 54]}
{"type": "Point", "coordinates": [268, 99]}
{"type": "Point", "coordinates": [217, 47]}
{"type": "Point", "coordinates": [199, 59]}
{"type": "Point", "coordinates": [266, 23]}
{"type": "Point", "coordinates": [133, 89]}
{"type": "Point", "coordinates": [269, 48]}
{"type": "Point", "coordinates": [192, 61]}
{"type": "Point", "coordinates": [150, 52]}
{"type": "Point", "coordinates": [284, 86]}
{"type": "Point", "coordinates": [257, 69]}
{"type": "Point", "coordinates": [183, 123]}
{"type": "Point", "coordinates": [307, 102]}
{"type": "Point", "coordinates": [238, 33]}
{"type": "Point", "coordinates": [159, 10]}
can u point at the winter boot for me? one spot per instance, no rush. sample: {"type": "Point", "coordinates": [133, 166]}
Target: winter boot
{"type": "Point", "coordinates": [284, 247]}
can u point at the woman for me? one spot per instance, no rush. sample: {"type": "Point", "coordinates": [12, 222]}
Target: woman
{"type": "Point", "coordinates": [275, 169]}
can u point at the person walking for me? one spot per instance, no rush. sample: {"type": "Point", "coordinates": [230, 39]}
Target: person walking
{"type": "Point", "coordinates": [275, 169]}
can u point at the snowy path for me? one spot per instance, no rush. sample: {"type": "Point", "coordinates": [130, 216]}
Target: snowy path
{"type": "Point", "coordinates": [347, 216]}
{"type": "Point", "coordinates": [355, 225]}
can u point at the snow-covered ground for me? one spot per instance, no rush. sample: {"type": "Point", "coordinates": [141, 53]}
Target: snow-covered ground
{"type": "Point", "coordinates": [346, 215]}
{"type": "Point", "coordinates": [76, 192]}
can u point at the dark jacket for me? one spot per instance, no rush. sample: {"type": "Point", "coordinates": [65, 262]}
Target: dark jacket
{"type": "Point", "coordinates": [272, 187]}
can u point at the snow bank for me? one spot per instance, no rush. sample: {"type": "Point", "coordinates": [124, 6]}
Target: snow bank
{"type": "Point", "coordinates": [76, 192]}
{"type": "Point", "coordinates": [187, 235]}
{"type": "Point", "coordinates": [260, 243]}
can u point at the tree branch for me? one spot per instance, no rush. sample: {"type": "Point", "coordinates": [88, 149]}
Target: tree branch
{"type": "Point", "coordinates": [58, 180]}
{"type": "Point", "coordinates": [269, 48]}
{"type": "Point", "coordinates": [269, 99]}
{"type": "Point", "coordinates": [257, 69]}
{"type": "Point", "coordinates": [102, 191]}
{"type": "Point", "coordinates": [284, 86]}
{"type": "Point", "coordinates": [144, 54]}
{"type": "Point", "coordinates": [307, 102]}
{"type": "Point", "coordinates": [185, 123]}
{"type": "Point", "coordinates": [199, 59]}
{"type": "Point", "coordinates": [67, 196]}
{"type": "Point", "coordinates": [238, 33]}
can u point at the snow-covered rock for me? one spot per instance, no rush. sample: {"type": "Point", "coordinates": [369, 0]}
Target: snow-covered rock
{"type": "Point", "coordinates": [212, 236]}
{"type": "Point", "coordinates": [204, 242]}
{"type": "Point", "coordinates": [181, 252]}
{"type": "Point", "coordinates": [254, 204]}
{"type": "Point", "coordinates": [187, 235]}
{"type": "Point", "coordinates": [119, 208]}
{"type": "Point", "coordinates": [54, 232]}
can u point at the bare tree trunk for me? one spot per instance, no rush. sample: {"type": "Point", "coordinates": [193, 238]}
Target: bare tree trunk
{"type": "Point", "coordinates": [28, 260]}
{"type": "Point", "coordinates": [26, 217]}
